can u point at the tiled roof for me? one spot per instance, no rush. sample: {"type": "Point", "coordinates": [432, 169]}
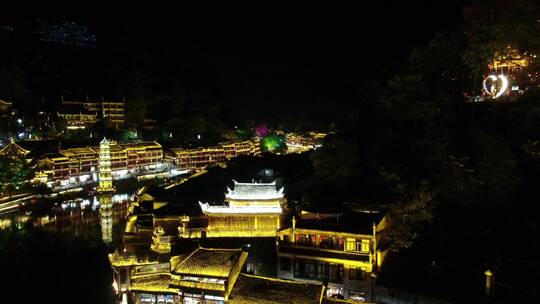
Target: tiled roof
{"type": "Point", "coordinates": [207, 208]}
{"type": "Point", "coordinates": [12, 149]}
{"type": "Point", "coordinates": [350, 221]}
{"type": "Point", "coordinates": [254, 191]}
{"type": "Point", "coordinates": [152, 283]}
{"type": "Point", "coordinates": [141, 145]}
{"type": "Point", "coordinates": [260, 290]}
{"type": "Point", "coordinates": [208, 262]}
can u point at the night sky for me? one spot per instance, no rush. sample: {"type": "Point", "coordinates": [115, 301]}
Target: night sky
{"type": "Point", "coordinates": [255, 57]}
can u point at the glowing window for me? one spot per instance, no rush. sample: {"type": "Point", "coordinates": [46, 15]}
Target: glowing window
{"type": "Point", "coordinates": [350, 245]}
{"type": "Point", "coordinates": [364, 246]}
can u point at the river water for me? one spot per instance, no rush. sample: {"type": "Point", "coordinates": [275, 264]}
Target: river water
{"type": "Point", "coordinates": [56, 248]}
{"type": "Point", "coordinates": [91, 218]}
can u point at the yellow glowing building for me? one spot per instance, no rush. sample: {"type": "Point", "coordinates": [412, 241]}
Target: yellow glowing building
{"type": "Point", "coordinates": [520, 68]}
{"type": "Point", "coordinates": [81, 164]}
{"type": "Point", "coordinates": [510, 60]}
{"type": "Point", "coordinates": [250, 210]}
{"type": "Point", "coordinates": [340, 248]}
{"type": "Point", "coordinates": [78, 114]}
{"type": "Point", "coordinates": [105, 175]}
{"type": "Point", "coordinates": [198, 159]}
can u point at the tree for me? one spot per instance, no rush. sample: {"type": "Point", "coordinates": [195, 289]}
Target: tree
{"type": "Point", "coordinates": [273, 143]}
{"type": "Point", "coordinates": [338, 161]}
{"type": "Point", "coordinates": [515, 26]}
{"type": "Point", "coordinates": [14, 172]}
{"type": "Point", "coordinates": [407, 217]}
{"type": "Point", "coordinates": [13, 85]}
{"type": "Point", "coordinates": [262, 130]}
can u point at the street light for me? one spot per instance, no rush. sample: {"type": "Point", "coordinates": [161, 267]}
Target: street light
{"type": "Point", "coordinates": [373, 276]}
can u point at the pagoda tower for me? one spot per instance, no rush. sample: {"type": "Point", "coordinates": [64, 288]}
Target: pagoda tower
{"type": "Point", "coordinates": [104, 167]}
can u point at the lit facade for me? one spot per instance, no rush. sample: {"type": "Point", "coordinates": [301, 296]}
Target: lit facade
{"type": "Point", "coordinates": [113, 111]}
{"type": "Point", "coordinates": [78, 120]}
{"type": "Point", "coordinates": [517, 70]}
{"type": "Point", "coordinates": [105, 174]}
{"type": "Point", "coordinates": [154, 265]}
{"type": "Point", "coordinates": [79, 114]}
{"type": "Point", "coordinates": [341, 249]}
{"type": "Point", "coordinates": [81, 164]}
{"type": "Point", "coordinates": [200, 275]}
{"type": "Point", "coordinates": [197, 159]}
{"type": "Point", "coordinates": [299, 143]}
{"type": "Point", "coordinates": [251, 210]}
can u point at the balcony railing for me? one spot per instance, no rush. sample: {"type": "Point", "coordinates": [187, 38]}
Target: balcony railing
{"type": "Point", "coordinates": [324, 253]}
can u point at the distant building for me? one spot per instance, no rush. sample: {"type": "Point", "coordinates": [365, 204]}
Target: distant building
{"type": "Point", "coordinates": [341, 248]}
{"type": "Point", "coordinates": [150, 124]}
{"type": "Point", "coordinates": [199, 158]}
{"type": "Point", "coordinates": [299, 143]}
{"type": "Point", "coordinates": [196, 159]}
{"type": "Point", "coordinates": [513, 69]}
{"type": "Point", "coordinates": [79, 114]}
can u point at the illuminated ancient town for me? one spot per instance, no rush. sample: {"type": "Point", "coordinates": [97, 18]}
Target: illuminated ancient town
{"type": "Point", "coordinates": [387, 153]}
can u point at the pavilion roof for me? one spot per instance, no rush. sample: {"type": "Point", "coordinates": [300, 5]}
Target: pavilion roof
{"type": "Point", "coordinates": [152, 283]}
{"type": "Point", "coordinates": [254, 191]}
{"type": "Point", "coordinates": [208, 262]}
{"type": "Point", "coordinates": [261, 290]}
{"type": "Point", "coordinates": [3, 102]}
{"type": "Point", "coordinates": [12, 149]}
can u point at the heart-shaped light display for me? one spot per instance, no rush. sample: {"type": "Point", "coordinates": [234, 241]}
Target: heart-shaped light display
{"type": "Point", "coordinates": [495, 85]}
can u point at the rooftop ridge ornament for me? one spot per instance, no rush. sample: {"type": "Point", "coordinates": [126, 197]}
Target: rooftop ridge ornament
{"type": "Point", "coordinates": [254, 191]}
{"type": "Point", "coordinates": [495, 85]}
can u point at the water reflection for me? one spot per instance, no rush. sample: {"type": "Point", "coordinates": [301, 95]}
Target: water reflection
{"type": "Point", "coordinates": [106, 217]}
{"type": "Point", "coordinates": [93, 218]}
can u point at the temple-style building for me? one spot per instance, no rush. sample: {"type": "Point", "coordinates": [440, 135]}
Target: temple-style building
{"type": "Point", "coordinates": [154, 265]}
{"type": "Point", "coordinates": [250, 210]}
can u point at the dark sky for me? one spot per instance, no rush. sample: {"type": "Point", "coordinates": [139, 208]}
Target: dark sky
{"type": "Point", "coordinates": [270, 55]}
{"type": "Point", "coordinates": [295, 56]}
